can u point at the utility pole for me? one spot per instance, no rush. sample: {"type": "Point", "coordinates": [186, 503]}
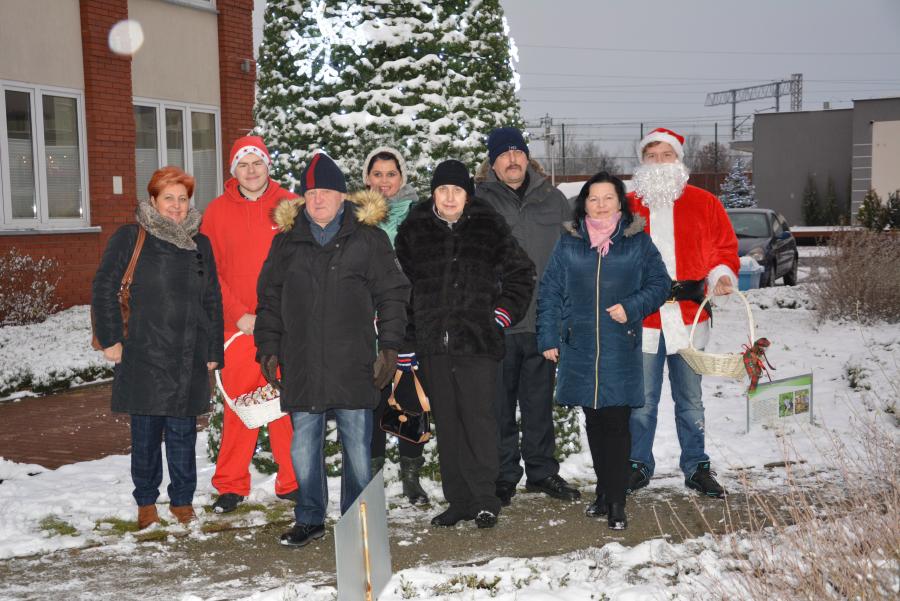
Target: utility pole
{"type": "Point", "coordinates": [563, 148]}
{"type": "Point", "coordinates": [549, 141]}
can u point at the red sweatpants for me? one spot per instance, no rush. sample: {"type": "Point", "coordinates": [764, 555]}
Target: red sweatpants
{"type": "Point", "coordinates": [241, 375]}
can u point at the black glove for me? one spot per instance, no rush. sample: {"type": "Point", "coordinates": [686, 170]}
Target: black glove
{"type": "Point", "coordinates": [269, 366]}
{"type": "Point", "coordinates": [385, 366]}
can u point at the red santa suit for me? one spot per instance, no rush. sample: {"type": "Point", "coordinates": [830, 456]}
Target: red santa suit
{"type": "Point", "coordinates": [241, 232]}
{"type": "Point", "coordinates": [696, 241]}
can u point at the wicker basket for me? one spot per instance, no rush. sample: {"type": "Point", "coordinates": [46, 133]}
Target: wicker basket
{"type": "Point", "coordinates": [726, 365]}
{"type": "Point", "coordinates": [253, 416]}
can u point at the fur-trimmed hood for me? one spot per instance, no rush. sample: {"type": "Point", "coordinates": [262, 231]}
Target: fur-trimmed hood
{"type": "Point", "coordinates": [371, 208]}
{"type": "Point", "coordinates": [635, 227]}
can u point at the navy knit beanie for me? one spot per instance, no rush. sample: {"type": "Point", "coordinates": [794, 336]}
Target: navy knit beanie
{"type": "Point", "coordinates": [504, 139]}
{"type": "Point", "coordinates": [453, 173]}
{"type": "Point", "coordinates": [323, 173]}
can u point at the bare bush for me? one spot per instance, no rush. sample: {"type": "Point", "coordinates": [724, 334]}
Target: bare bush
{"type": "Point", "coordinates": [29, 288]}
{"type": "Point", "coordinates": [834, 536]}
{"type": "Point", "coordinates": [862, 277]}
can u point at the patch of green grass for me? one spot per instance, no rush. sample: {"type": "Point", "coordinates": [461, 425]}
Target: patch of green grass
{"type": "Point", "coordinates": [245, 508]}
{"type": "Point", "coordinates": [279, 514]}
{"type": "Point", "coordinates": [148, 536]}
{"type": "Point", "coordinates": [117, 525]}
{"type": "Point", "coordinates": [57, 527]}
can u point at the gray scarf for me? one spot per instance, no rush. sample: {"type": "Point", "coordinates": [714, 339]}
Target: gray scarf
{"type": "Point", "coordinates": [179, 234]}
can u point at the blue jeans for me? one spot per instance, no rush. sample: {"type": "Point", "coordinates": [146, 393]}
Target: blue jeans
{"type": "Point", "coordinates": [689, 421]}
{"type": "Point", "coordinates": [147, 433]}
{"type": "Point", "coordinates": [308, 456]}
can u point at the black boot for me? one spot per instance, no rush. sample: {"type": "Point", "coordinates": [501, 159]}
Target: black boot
{"type": "Point", "coordinates": [409, 476]}
{"type": "Point", "coordinates": [598, 508]}
{"type": "Point", "coordinates": [616, 519]}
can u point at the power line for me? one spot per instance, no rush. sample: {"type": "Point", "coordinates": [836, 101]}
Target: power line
{"type": "Point", "coordinates": [715, 52]}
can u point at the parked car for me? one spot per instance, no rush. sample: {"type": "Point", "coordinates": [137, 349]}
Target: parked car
{"type": "Point", "coordinates": [765, 236]}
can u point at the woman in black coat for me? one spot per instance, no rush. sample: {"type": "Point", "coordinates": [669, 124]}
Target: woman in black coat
{"type": "Point", "coordinates": [470, 280]}
{"type": "Point", "coordinates": [173, 338]}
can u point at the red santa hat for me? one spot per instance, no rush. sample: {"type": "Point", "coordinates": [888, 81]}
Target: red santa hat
{"type": "Point", "coordinates": [661, 134]}
{"type": "Point", "coordinates": [249, 145]}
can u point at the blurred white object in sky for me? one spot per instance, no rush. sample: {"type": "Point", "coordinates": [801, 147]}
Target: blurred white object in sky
{"type": "Point", "coordinates": [126, 37]}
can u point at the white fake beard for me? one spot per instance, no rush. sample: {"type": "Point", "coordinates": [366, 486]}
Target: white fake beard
{"type": "Point", "coordinates": [660, 184]}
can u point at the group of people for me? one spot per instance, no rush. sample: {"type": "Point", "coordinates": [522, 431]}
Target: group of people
{"type": "Point", "coordinates": [496, 289]}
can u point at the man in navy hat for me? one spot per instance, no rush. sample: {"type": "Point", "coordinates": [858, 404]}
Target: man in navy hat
{"type": "Point", "coordinates": [518, 189]}
{"type": "Point", "coordinates": [329, 271]}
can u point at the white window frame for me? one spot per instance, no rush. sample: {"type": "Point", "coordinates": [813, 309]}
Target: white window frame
{"type": "Point", "coordinates": [188, 142]}
{"type": "Point", "coordinates": [42, 221]}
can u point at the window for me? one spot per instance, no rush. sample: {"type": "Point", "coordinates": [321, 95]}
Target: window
{"type": "Point", "coordinates": [182, 135]}
{"type": "Point", "coordinates": [43, 180]}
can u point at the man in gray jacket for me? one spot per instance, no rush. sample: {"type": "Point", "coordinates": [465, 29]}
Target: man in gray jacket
{"type": "Point", "coordinates": [535, 210]}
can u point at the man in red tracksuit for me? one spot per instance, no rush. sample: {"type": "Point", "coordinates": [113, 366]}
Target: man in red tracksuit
{"type": "Point", "coordinates": [239, 225]}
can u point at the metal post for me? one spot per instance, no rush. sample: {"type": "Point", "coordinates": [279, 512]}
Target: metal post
{"type": "Point", "coordinates": [778, 97]}
{"type": "Point", "coordinates": [716, 156]}
{"type": "Point", "coordinates": [733, 113]}
{"type": "Point", "coordinates": [564, 172]}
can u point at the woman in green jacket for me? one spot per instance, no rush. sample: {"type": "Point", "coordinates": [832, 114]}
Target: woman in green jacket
{"type": "Point", "coordinates": [384, 174]}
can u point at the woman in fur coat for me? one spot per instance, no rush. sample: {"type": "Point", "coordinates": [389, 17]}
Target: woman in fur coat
{"type": "Point", "coordinates": [470, 280]}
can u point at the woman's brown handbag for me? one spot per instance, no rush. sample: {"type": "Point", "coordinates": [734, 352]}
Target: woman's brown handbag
{"type": "Point", "coordinates": [408, 425]}
{"type": "Point", "coordinates": [124, 291]}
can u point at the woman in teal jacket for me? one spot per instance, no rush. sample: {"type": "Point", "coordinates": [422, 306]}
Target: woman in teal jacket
{"type": "Point", "coordinates": [384, 174]}
{"type": "Point", "coordinates": [603, 278]}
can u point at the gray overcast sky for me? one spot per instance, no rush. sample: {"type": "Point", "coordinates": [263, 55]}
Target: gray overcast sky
{"type": "Point", "coordinates": [619, 63]}
{"type": "Point", "coordinates": [604, 66]}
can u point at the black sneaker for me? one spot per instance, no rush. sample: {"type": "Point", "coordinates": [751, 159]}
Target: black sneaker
{"type": "Point", "coordinates": [294, 495]}
{"type": "Point", "coordinates": [227, 503]}
{"type": "Point", "coordinates": [505, 492]}
{"type": "Point", "coordinates": [302, 534]}
{"type": "Point", "coordinates": [639, 477]}
{"type": "Point", "coordinates": [704, 482]}
{"type": "Point", "coordinates": [598, 508]}
{"type": "Point", "coordinates": [450, 517]}
{"type": "Point", "coordinates": [554, 486]}
{"type": "Point", "coordinates": [616, 519]}
{"type": "Point", "coordinates": [486, 519]}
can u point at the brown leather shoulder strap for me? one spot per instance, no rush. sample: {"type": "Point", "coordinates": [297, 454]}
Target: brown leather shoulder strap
{"type": "Point", "coordinates": [420, 392]}
{"type": "Point", "coordinates": [129, 273]}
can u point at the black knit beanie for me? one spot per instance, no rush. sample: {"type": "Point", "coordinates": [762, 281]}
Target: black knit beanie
{"type": "Point", "coordinates": [453, 173]}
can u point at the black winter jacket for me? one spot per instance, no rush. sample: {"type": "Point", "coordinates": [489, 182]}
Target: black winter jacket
{"type": "Point", "coordinates": [459, 276]}
{"type": "Point", "coordinates": [174, 329]}
{"type": "Point", "coordinates": [317, 306]}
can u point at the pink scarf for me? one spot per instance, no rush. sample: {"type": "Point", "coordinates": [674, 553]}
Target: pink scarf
{"type": "Point", "coordinates": [600, 230]}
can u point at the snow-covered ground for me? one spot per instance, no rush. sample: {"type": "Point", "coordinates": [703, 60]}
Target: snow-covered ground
{"type": "Point", "coordinates": [45, 354]}
{"type": "Point", "coordinates": [855, 370]}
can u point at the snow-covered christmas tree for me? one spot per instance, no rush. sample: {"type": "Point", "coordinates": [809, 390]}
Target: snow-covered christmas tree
{"type": "Point", "coordinates": [429, 77]}
{"type": "Point", "coordinates": [737, 192]}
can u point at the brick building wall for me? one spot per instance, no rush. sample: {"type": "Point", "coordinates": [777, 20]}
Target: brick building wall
{"type": "Point", "coordinates": [237, 72]}
{"type": "Point", "coordinates": [110, 136]}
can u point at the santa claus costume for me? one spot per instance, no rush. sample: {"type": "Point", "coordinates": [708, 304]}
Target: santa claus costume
{"type": "Point", "coordinates": [241, 231]}
{"type": "Point", "coordinates": [696, 240]}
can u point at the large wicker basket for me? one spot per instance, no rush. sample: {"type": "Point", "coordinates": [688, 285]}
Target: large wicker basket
{"type": "Point", "coordinates": [726, 365]}
{"type": "Point", "coordinates": [253, 416]}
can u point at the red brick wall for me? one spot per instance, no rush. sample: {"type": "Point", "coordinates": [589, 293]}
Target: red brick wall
{"type": "Point", "coordinates": [237, 88]}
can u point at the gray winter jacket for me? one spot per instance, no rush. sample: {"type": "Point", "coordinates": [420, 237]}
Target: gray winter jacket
{"type": "Point", "coordinates": [536, 221]}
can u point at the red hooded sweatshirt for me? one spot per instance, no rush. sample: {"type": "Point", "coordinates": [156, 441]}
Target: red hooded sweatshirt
{"type": "Point", "coordinates": [241, 233]}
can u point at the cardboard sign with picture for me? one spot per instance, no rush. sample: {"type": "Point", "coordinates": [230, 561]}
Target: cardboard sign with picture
{"type": "Point", "coordinates": [780, 399]}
